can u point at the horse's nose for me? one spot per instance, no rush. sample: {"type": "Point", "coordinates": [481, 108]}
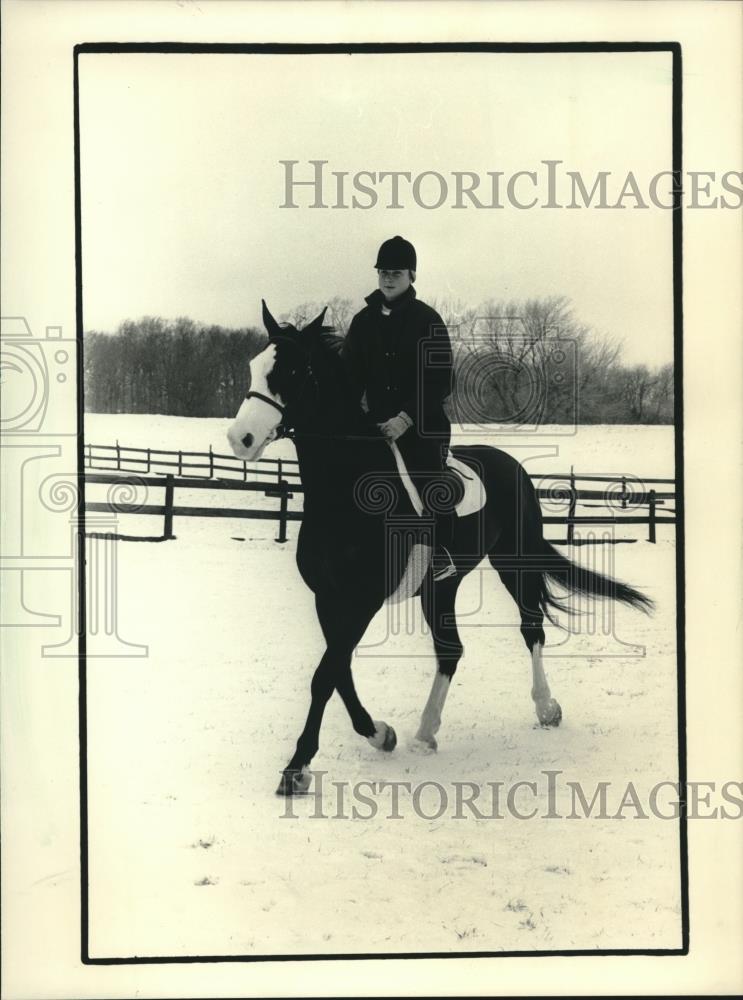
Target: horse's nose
{"type": "Point", "coordinates": [247, 440]}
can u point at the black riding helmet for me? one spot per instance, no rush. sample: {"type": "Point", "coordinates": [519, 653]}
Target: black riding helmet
{"type": "Point", "coordinates": [396, 254]}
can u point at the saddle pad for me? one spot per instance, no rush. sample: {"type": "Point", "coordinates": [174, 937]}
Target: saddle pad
{"type": "Point", "coordinates": [474, 488]}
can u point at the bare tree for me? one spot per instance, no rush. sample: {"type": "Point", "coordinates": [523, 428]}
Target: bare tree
{"type": "Point", "coordinates": [339, 314]}
{"type": "Point", "coordinates": [527, 362]}
{"type": "Point", "coordinates": [507, 356]}
{"type": "Point", "coordinates": [662, 396]}
{"type": "Point", "coordinates": [637, 384]}
{"type": "Point", "coordinates": [301, 314]}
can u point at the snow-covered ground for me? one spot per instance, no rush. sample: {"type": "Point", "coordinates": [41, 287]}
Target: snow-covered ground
{"type": "Point", "coordinates": [615, 448]}
{"type": "Point", "coordinates": [192, 853]}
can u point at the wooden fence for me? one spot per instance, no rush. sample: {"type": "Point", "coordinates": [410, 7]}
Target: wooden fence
{"type": "Point", "coordinates": [169, 510]}
{"type": "Point", "coordinates": [121, 458]}
{"type": "Point", "coordinates": [279, 478]}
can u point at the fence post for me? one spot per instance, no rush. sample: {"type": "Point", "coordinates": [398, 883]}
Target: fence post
{"type": "Point", "coordinates": [279, 474]}
{"type": "Point", "coordinates": [651, 528]}
{"type": "Point", "coordinates": [180, 462]}
{"type": "Point", "coordinates": [118, 455]}
{"type": "Point", "coordinates": [168, 527]}
{"type": "Point", "coordinates": [624, 493]}
{"type": "Point", "coordinates": [149, 460]}
{"type": "Point", "coordinates": [571, 508]}
{"type": "Point", "coordinates": [283, 507]}
{"type": "Point", "coordinates": [211, 463]}
{"type": "Point", "coordinates": [245, 472]}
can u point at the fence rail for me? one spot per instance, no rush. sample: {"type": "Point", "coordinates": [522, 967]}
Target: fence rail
{"type": "Point", "coordinates": [279, 478]}
{"type": "Point", "coordinates": [124, 458]}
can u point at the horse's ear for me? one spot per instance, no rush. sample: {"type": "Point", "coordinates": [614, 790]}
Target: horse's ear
{"type": "Point", "coordinates": [316, 325]}
{"type": "Point", "coordinates": [272, 327]}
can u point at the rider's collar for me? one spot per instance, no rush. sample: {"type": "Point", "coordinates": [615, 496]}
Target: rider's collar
{"type": "Point", "coordinates": [377, 299]}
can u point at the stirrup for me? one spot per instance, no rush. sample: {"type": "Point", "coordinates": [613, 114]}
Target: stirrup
{"type": "Point", "coordinates": [442, 564]}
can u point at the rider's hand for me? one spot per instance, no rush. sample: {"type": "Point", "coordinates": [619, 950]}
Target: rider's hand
{"type": "Point", "coordinates": [395, 427]}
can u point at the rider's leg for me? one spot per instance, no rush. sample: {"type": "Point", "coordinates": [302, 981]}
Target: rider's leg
{"type": "Point", "coordinates": [438, 488]}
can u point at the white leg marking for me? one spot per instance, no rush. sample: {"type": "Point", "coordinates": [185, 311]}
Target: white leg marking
{"type": "Point", "coordinates": [549, 712]}
{"type": "Point", "coordinates": [431, 717]}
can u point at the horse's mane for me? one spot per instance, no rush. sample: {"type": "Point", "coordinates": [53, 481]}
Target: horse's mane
{"type": "Point", "coordinates": [327, 353]}
{"type": "Point", "coordinates": [329, 346]}
{"type": "Point", "coordinates": [330, 340]}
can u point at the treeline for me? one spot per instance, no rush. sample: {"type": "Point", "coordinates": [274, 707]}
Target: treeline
{"type": "Point", "coordinates": [534, 362]}
{"type": "Point", "coordinates": [177, 367]}
{"type": "Point", "coordinates": [524, 362]}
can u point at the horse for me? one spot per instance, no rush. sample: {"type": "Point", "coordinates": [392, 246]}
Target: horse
{"type": "Point", "coordinates": [299, 388]}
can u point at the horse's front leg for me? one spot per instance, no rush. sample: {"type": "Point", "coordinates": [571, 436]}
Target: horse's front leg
{"type": "Point", "coordinates": [343, 628]}
{"type": "Point", "coordinates": [294, 779]}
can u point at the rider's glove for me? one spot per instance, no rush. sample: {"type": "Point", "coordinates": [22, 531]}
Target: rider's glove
{"type": "Point", "coordinates": [395, 427]}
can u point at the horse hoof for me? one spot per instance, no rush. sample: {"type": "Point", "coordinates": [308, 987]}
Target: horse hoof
{"type": "Point", "coordinates": [390, 740]}
{"type": "Point", "coordinates": [385, 737]}
{"type": "Point", "coordinates": [550, 715]}
{"type": "Point", "coordinates": [424, 746]}
{"type": "Point", "coordinates": [293, 782]}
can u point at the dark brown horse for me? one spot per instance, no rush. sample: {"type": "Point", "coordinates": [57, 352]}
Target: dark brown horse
{"type": "Point", "coordinates": [353, 501]}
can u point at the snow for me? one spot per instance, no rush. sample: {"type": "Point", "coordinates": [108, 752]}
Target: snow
{"type": "Point", "coordinates": [192, 853]}
{"type": "Point", "coordinates": [602, 449]}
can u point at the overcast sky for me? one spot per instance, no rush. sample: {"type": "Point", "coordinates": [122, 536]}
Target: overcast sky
{"type": "Point", "coordinates": [182, 185]}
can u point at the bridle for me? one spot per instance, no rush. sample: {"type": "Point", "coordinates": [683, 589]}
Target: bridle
{"type": "Point", "coordinates": [251, 394]}
{"type": "Point", "coordinates": [282, 430]}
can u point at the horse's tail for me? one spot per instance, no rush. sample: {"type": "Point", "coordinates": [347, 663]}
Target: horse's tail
{"type": "Point", "coordinates": [514, 502]}
{"type": "Point", "coordinates": [584, 581]}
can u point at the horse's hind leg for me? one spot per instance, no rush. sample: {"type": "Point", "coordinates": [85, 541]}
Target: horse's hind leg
{"type": "Point", "coordinates": [525, 586]}
{"type": "Point", "coordinates": [438, 608]}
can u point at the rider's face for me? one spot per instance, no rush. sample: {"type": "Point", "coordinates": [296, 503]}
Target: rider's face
{"type": "Point", "coordinates": [394, 283]}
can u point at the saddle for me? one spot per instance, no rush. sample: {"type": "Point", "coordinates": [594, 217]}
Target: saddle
{"type": "Point", "coordinates": [474, 488]}
{"type": "Point", "coordinates": [420, 554]}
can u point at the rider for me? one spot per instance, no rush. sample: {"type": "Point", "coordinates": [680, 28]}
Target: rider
{"type": "Point", "coordinates": [398, 351]}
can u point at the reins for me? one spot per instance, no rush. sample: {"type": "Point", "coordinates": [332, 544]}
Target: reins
{"type": "Point", "coordinates": [282, 431]}
{"type": "Point", "coordinates": [292, 435]}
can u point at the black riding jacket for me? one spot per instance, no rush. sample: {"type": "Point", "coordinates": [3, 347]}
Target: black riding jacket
{"type": "Point", "coordinates": [402, 361]}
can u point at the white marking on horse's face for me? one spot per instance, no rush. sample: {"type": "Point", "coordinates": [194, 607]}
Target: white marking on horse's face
{"type": "Point", "coordinates": [255, 417]}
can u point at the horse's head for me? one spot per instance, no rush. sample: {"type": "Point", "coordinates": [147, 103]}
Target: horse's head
{"type": "Point", "coordinates": [279, 375]}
